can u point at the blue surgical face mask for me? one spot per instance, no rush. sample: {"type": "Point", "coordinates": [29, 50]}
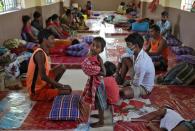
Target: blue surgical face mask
{"type": "Point", "coordinates": [130, 51]}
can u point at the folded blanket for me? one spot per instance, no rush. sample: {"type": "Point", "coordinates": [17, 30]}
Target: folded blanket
{"type": "Point", "coordinates": [182, 50]}
{"type": "Point", "coordinates": [173, 41]}
{"type": "Point", "coordinates": [186, 58]}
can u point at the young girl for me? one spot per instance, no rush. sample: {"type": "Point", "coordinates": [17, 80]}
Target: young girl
{"type": "Point", "coordinates": [112, 91]}
{"type": "Point", "coordinates": [121, 8]}
{"type": "Point", "coordinates": [93, 67]}
{"type": "Point", "coordinates": [82, 25]}
{"type": "Point", "coordinates": [56, 22]}
{"type": "Point", "coordinates": [88, 8]}
{"type": "Point", "coordinates": [170, 121]}
{"type": "Point", "coordinates": [27, 32]}
{"type": "Point", "coordinates": [112, 88]}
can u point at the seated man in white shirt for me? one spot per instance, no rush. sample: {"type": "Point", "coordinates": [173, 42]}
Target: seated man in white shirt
{"type": "Point", "coordinates": [164, 24]}
{"type": "Point", "coordinates": [144, 71]}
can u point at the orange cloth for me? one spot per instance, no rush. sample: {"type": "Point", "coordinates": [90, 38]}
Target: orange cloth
{"type": "Point", "coordinates": [155, 46]}
{"type": "Point", "coordinates": [42, 91]}
{"type": "Point", "coordinates": [64, 42]}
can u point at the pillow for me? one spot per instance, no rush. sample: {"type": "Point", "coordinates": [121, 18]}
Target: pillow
{"type": "Point", "coordinates": [186, 58]}
{"type": "Point", "coordinates": [65, 107]}
{"type": "Point", "coordinates": [140, 27]}
{"type": "Point", "coordinates": [88, 39]}
{"type": "Point", "coordinates": [179, 50]}
{"type": "Point", "coordinates": [173, 41]}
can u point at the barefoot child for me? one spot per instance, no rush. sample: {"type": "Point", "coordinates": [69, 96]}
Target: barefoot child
{"type": "Point", "coordinates": [93, 67]}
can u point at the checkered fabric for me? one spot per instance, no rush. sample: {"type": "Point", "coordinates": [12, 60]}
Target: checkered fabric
{"type": "Point", "coordinates": [179, 50]}
{"type": "Point", "coordinates": [81, 49]}
{"type": "Point", "coordinates": [186, 58]}
{"type": "Point", "coordinates": [173, 41]}
{"type": "Point", "coordinates": [65, 107]}
{"type": "Point", "coordinates": [88, 39]}
{"type": "Point", "coordinates": [91, 67]}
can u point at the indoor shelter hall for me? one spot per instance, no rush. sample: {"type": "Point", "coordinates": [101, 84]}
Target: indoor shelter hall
{"type": "Point", "coordinates": [87, 65]}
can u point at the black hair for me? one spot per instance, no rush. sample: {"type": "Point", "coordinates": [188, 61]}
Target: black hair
{"type": "Point", "coordinates": [147, 20]}
{"type": "Point", "coordinates": [110, 68]}
{"type": "Point", "coordinates": [164, 13]}
{"type": "Point", "coordinates": [89, 2]}
{"type": "Point", "coordinates": [44, 34]}
{"type": "Point", "coordinates": [135, 38]}
{"type": "Point", "coordinates": [68, 12]}
{"type": "Point", "coordinates": [36, 14]}
{"type": "Point", "coordinates": [151, 22]}
{"type": "Point", "coordinates": [101, 41]}
{"type": "Point", "coordinates": [81, 17]}
{"type": "Point", "coordinates": [122, 95]}
{"type": "Point", "coordinates": [25, 19]}
{"type": "Point", "coordinates": [48, 20]}
{"type": "Point", "coordinates": [122, 3]}
{"type": "Point", "coordinates": [156, 28]}
{"type": "Point", "coordinates": [128, 10]}
{"type": "Point", "coordinates": [75, 41]}
{"type": "Point", "coordinates": [54, 17]}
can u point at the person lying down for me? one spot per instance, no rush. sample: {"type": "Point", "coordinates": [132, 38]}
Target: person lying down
{"type": "Point", "coordinates": [170, 120]}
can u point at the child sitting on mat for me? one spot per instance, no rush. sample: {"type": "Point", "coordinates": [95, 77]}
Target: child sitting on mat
{"type": "Point", "coordinates": [81, 24]}
{"type": "Point", "coordinates": [170, 121]}
{"type": "Point", "coordinates": [112, 88]}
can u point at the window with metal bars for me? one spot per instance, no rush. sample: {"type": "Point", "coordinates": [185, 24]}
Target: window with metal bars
{"type": "Point", "coordinates": [7, 5]}
{"type": "Point", "coordinates": [49, 1]}
{"type": "Point", "coordinates": [187, 4]}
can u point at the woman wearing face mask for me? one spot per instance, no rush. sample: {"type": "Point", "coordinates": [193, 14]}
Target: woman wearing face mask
{"type": "Point", "coordinates": [143, 67]}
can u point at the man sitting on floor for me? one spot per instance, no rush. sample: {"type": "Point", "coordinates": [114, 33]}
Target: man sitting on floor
{"type": "Point", "coordinates": [158, 49]}
{"type": "Point", "coordinates": [144, 72]}
{"type": "Point", "coordinates": [41, 80]}
{"type": "Point", "coordinates": [164, 24]}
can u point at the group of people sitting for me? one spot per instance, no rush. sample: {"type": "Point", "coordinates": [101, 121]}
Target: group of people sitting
{"type": "Point", "coordinates": [42, 81]}
{"type": "Point", "coordinates": [132, 8]}
{"type": "Point", "coordinates": [62, 27]}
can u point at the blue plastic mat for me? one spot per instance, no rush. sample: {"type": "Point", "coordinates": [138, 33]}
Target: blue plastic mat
{"type": "Point", "coordinates": [14, 108]}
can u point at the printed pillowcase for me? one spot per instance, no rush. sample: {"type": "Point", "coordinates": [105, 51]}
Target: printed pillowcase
{"type": "Point", "coordinates": [65, 107]}
{"type": "Point", "coordinates": [173, 41]}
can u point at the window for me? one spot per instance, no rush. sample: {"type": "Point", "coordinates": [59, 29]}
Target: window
{"type": "Point", "coordinates": [49, 1]}
{"type": "Point", "coordinates": [7, 5]}
{"type": "Point", "coordinates": [187, 4]}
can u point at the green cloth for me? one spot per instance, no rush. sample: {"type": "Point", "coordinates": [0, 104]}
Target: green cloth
{"type": "Point", "coordinates": [1, 6]}
{"type": "Point", "coordinates": [193, 10]}
{"type": "Point", "coordinates": [63, 19]}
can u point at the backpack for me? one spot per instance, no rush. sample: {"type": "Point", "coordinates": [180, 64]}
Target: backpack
{"type": "Point", "coordinates": [181, 74]}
